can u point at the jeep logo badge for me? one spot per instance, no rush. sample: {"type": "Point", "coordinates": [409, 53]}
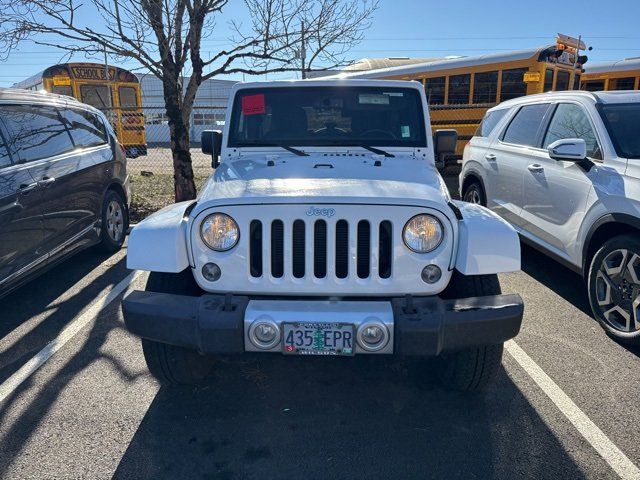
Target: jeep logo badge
{"type": "Point", "coordinates": [324, 212]}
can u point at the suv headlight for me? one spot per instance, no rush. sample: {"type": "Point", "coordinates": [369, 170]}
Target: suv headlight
{"type": "Point", "coordinates": [219, 232]}
{"type": "Point", "coordinates": [422, 233]}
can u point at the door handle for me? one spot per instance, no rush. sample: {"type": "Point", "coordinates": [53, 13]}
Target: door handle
{"type": "Point", "coordinates": [27, 187]}
{"type": "Point", "coordinates": [490, 157]}
{"type": "Point", "coordinates": [535, 168]}
{"type": "Point", "coordinates": [46, 181]}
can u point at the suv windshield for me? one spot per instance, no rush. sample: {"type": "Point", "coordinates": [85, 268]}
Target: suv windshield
{"type": "Point", "coordinates": [328, 116]}
{"type": "Point", "coordinates": [622, 120]}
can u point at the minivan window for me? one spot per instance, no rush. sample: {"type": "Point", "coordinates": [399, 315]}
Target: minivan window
{"type": "Point", "coordinates": [523, 129]}
{"type": "Point", "coordinates": [5, 159]}
{"type": "Point", "coordinates": [35, 132]}
{"type": "Point", "coordinates": [571, 121]}
{"type": "Point", "coordinates": [489, 122]}
{"type": "Point", "coordinates": [86, 129]}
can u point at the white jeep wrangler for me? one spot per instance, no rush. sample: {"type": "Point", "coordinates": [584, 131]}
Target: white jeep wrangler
{"type": "Point", "coordinates": [325, 230]}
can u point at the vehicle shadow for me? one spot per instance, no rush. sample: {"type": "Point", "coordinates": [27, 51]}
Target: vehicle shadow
{"type": "Point", "coordinates": [564, 282]}
{"type": "Point", "coordinates": [555, 276]}
{"type": "Point", "coordinates": [39, 302]}
{"type": "Point", "coordinates": [367, 417]}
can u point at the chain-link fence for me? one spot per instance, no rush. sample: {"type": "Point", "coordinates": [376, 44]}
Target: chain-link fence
{"type": "Point", "coordinates": [150, 162]}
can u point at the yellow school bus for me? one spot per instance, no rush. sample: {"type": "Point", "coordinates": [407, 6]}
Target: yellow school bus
{"type": "Point", "coordinates": [113, 90]}
{"type": "Point", "coordinates": [461, 89]}
{"type": "Point", "coordinates": [620, 75]}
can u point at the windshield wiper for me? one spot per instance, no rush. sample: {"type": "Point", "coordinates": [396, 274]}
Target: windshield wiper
{"type": "Point", "coordinates": [295, 151]}
{"type": "Point", "coordinates": [300, 153]}
{"type": "Point", "coordinates": [377, 151]}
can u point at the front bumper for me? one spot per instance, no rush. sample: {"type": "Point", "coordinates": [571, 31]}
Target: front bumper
{"type": "Point", "coordinates": [421, 326]}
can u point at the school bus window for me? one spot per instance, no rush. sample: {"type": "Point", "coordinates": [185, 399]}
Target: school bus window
{"type": "Point", "coordinates": [513, 84]}
{"type": "Point", "coordinates": [128, 97]}
{"type": "Point", "coordinates": [459, 88]}
{"type": "Point", "coordinates": [594, 85]}
{"type": "Point", "coordinates": [96, 96]}
{"type": "Point", "coordinates": [485, 87]}
{"type": "Point", "coordinates": [62, 90]}
{"type": "Point", "coordinates": [548, 80]}
{"type": "Point", "coordinates": [626, 83]}
{"type": "Point", "coordinates": [562, 80]}
{"type": "Point", "coordinates": [434, 88]}
{"type": "Point", "coordinates": [576, 82]}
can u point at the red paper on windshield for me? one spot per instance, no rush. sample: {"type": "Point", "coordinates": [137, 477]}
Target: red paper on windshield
{"type": "Point", "coordinates": [253, 104]}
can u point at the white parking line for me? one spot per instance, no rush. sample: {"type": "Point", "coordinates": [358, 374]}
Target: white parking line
{"type": "Point", "coordinates": [589, 430]}
{"type": "Point", "coordinates": [67, 334]}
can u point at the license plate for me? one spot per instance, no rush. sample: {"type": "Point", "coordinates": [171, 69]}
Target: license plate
{"type": "Point", "coordinates": [322, 338]}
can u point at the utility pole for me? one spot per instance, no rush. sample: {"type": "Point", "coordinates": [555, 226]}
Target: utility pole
{"type": "Point", "coordinates": [575, 63]}
{"type": "Point", "coordinates": [303, 54]}
{"type": "Point", "coordinates": [109, 100]}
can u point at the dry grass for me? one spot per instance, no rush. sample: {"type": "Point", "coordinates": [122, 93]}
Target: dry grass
{"type": "Point", "coordinates": [152, 180]}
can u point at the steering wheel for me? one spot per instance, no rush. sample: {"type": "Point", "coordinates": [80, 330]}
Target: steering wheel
{"type": "Point", "coordinates": [376, 131]}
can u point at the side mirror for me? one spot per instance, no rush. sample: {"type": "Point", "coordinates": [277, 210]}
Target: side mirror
{"type": "Point", "coordinates": [444, 144]}
{"type": "Point", "coordinates": [570, 149]}
{"type": "Point", "coordinates": [211, 141]}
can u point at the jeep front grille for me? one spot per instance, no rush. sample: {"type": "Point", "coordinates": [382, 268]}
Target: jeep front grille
{"type": "Point", "coordinates": [310, 250]}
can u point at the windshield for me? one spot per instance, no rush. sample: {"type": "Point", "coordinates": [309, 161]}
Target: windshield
{"type": "Point", "coordinates": [328, 116]}
{"type": "Point", "coordinates": [623, 123]}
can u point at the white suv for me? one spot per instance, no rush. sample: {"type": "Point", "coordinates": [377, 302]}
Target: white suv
{"type": "Point", "coordinates": [325, 230]}
{"type": "Point", "coordinates": [563, 168]}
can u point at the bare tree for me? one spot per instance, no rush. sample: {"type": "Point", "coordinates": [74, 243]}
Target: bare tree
{"type": "Point", "coordinates": [165, 37]}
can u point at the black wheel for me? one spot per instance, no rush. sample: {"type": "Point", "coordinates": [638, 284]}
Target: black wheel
{"type": "Point", "coordinates": [474, 368]}
{"type": "Point", "coordinates": [115, 222]}
{"type": "Point", "coordinates": [614, 288]}
{"type": "Point", "coordinates": [169, 364]}
{"type": "Point", "coordinates": [473, 193]}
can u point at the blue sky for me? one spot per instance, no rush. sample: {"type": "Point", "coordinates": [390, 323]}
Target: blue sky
{"type": "Point", "coordinates": [425, 28]}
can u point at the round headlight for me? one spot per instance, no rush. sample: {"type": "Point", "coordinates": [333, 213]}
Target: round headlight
{"type": "Point", "coordinates": [423, 233]}
{"type": "Point", "coordinates": [220, 232]}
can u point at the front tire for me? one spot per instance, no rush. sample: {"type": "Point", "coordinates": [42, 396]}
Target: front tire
{"type": "Point", "coordinates": [614, 288]}
{"type": "Point", "coordinates": [473, 193]}
{"type": "Point", "coordinates": [471, 369]}
{"type": "Point", "coordinates": [170, 364]}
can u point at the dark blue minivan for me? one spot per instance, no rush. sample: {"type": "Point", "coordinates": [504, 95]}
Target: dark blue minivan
{"type": "Point", "coordinates": [63, 183]}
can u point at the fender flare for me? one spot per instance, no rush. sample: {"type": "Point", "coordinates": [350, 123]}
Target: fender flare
{"type": "Point", "coordinates": [618, 218]}
{"type": "Point", "coordinates": [487, 243]}
{"type": "Point", "coordinates": [159, 242]}
{"type": "Point", "coordinates": [476, 175]}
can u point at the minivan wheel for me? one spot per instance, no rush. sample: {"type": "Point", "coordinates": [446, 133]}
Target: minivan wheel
{"type": "Point", "coordinates": [115, 222]}
{"type": "Point", "coordinates": [473, 194]}
{"type": "Point", "coordinates": [614, 288]}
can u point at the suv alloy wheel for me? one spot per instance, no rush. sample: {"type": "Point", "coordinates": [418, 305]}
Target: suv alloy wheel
{"type": "Point", "coordinates": [614, 287]}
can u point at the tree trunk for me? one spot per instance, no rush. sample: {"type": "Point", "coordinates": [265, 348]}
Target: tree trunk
{"type": "Point", "coordinates": [184, 185]}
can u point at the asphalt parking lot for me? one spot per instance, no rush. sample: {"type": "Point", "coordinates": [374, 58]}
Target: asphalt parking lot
{"type": "Point", "coordinates": [93, 411]}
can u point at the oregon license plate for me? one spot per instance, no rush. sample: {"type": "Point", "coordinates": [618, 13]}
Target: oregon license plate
{"type": "Point", "coordinates": [322, 338]}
